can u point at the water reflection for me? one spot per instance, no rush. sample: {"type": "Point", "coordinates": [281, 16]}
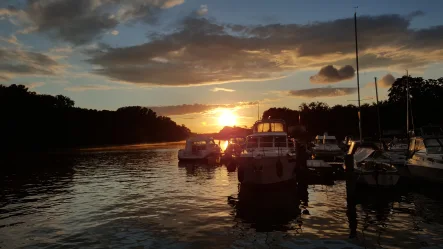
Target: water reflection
{"type": "Point", "coordinates": [146, 198]}
{"type": "Point", "coordinates": [267, 210]}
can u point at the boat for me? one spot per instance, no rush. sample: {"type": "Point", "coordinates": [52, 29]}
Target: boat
{"type": "Point", "coordinates": [234, 147]}
{"type": "Point", "coordinates": [326, 147]}
{"type": "Point", "coordinates": [199, 148]}
{"type": "Point", "coordinates": [268, 158]}
{"type": "Point", "coordinates": [425, 154]}
{"type": "Point", "coordinates": [372, 166]}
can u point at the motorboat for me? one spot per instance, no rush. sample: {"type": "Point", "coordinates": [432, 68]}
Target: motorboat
{"type": "Point", "coordinates": [234, 147]}
{"type": "Point", "coordinates": [425, 154]}
{"type": "Point", "coordinates": [199, 148]}
{"type": "Point", "coordinates": [372, 167]}
{"type": "Point", "coordinates": [269, 156]}
{"type": "Point", "coordinates": [326, 147]}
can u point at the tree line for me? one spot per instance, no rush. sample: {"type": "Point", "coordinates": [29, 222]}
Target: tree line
{"type": "Point", "coordinates": [426, 106]}
{"type": "Point", "coordinates": [37, 122]}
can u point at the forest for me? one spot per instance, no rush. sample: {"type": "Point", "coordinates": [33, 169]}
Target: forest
{"type": "Point", "coordinates": [426, 107]}
{"type": "Point", "coordinates": [38, 122]}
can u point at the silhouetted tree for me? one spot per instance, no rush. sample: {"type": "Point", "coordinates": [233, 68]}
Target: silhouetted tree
{"type": "Point", "coordinates": [31, 121]}
{"type": "Point", "coordinates": [426, 97]}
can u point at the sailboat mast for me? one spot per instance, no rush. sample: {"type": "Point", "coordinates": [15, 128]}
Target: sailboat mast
{"type": "Point", "coordinates": [407, 102]}
{"type": "Point", "coordinates": [358, 77]}
{"type": "Point", "coordinates": [378, 108]}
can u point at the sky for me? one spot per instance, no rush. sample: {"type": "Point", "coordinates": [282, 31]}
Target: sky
{"type": "Point", "coordinates": [208, 63]}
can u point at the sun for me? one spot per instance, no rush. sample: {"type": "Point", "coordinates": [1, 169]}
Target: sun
{"type": "Point", "coordinates": [227, 118]}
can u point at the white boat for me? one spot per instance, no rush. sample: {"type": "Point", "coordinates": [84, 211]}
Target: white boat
{"type": "Point", "coordinates": [425, 155]}
{"type": "Point", "coordinates": [373, 168]}
{"type": "Point", "coordinates": [269, 157]}
{"type": "Point", "coordinates": [199, 148]}
{"type": "Point", "coordinates": [326, 147]}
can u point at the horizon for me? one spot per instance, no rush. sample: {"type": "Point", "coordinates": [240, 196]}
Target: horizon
{"type": "Point", "coordinates": [206, 64]}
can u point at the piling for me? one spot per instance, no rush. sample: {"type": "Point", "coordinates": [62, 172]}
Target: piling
{"type": "Point", "coordinates": [351, 196]}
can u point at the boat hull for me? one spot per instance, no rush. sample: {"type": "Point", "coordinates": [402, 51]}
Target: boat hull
{"type": "Point", "coordinates": [428, 173]}
{"type": "Point", "coordinates": [378, 179]}
{"type": "Point", "coordinates": [270, 170]}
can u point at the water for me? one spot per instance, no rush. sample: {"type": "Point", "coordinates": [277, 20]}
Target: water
{"type": "Point", "coordinates": [145, 199]}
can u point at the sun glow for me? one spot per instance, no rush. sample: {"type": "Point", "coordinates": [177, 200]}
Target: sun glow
{"type": "Point", "coordinates": [227, 118]}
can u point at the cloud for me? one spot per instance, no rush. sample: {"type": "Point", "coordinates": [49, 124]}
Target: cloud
{"type": "Point", "coordinates": [330, 74]}
{"type": "Point", "coordinates": [184, 109]}
{"type": "Point", "coordinates": [202, 51]}
{"type": "Point", "coordinates": [81, 21]}
{"type": "Point", "coordinates": [34, 85]}
{"type": "Point", "coordinates": [83, 88]}
{"type": "Point", "coordinates": [203, 10]}
{"type": "Point", "coordinates": [11, 40]}
{"type": "Point", "coordinates": [218, 89]}
{"type": "Point", "coordinates": [323, 92]}
{"type": "Point", "coordinates": [386, 81]}
{"type": "Point", "coordinates": [16, 62]}
{"type": "Point", "coordinates": [114, 32]}
{"type": "Point", "coordinates": [62, 50]}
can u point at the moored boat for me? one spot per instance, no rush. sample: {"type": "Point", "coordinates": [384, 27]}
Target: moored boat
{"type": "Point", "coordinates": [425, 154]}
{"type": "Point", "coordinates": [326, 147]}
{"type": "Point", "coordinates": [199, 148]}
{"type": "Point", "coordinates": [269, 157]}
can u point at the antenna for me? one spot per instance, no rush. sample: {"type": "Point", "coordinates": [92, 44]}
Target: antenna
{"type": "Point", "coordinates": [258, 110]}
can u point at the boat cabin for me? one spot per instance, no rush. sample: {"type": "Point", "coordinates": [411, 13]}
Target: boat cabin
{"type": "Point", "coordinates": [196, 144]}
{"type": "Point", "coordinates": [269, 125]}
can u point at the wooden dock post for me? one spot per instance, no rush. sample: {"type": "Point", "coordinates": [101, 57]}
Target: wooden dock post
{"type": "Point", "coordinates": [351, 196]}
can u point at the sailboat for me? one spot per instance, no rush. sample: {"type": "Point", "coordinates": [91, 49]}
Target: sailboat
{"type": "Point", "coordinates": [370, 164]}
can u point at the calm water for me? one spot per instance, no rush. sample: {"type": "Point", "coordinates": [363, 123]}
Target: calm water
{"type": "Point", "coordinates": [145, 199]}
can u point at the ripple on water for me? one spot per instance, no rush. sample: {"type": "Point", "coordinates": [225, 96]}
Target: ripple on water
{"type": "Point", "coordinates": [144, 198]}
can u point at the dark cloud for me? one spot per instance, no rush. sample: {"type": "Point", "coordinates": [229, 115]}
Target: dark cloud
{"type": "Point", "coordinates": [80, 21]}
{"type": "Point", "coordinates": [330, 74]}
{"type": "Point", "coordinates": [194, 108]}
{"type": "Point", "coordinates": [323, 92]}
{"type": "Point", "coordinates": [18, 62]}
{"type": "Point", "coordinates": [386, 81]}
{"type": "Point", "coordinates": [202, 51]}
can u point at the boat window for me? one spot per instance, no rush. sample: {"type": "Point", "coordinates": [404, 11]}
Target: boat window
{"type": "Point", "coordinates": [252, 142]}
{"type": "Point", "coordinates": [434, 146]}
{"type": "Point", "coordinates": [280, 141]}
{"type": "Point", "coordinates": [270, 127]}
{"type": "Point", "coordinates": [266, 141]}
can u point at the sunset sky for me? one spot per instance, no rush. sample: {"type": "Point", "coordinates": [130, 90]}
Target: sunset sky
{"type": "Point", "coordinates": [199, 60]}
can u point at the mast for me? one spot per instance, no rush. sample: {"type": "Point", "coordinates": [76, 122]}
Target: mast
{"type": "Point", "coordinates": [407, 102]}
{"type": "Point", "coordinates": [378, 109]}
{"type": "Point", "coordinates": [358, 77]}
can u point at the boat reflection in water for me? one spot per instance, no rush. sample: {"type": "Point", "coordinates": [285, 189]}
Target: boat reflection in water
{"type": "Point", "coordinates": [267, 210]}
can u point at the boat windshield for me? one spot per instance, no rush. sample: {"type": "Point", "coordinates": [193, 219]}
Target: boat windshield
{"type": "Point", "coordinates": [270, 127]}
{"type": "Point", "coordinates": [434, 146]}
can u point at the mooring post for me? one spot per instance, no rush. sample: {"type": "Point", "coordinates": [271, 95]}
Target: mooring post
{"type": "Point", "coordinates": [350, 196]}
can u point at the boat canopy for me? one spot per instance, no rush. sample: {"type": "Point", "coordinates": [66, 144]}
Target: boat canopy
{"type": "Point", "coordinates": [270, 125]}
{"type": "Point", "coordinates": [199, 143]}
